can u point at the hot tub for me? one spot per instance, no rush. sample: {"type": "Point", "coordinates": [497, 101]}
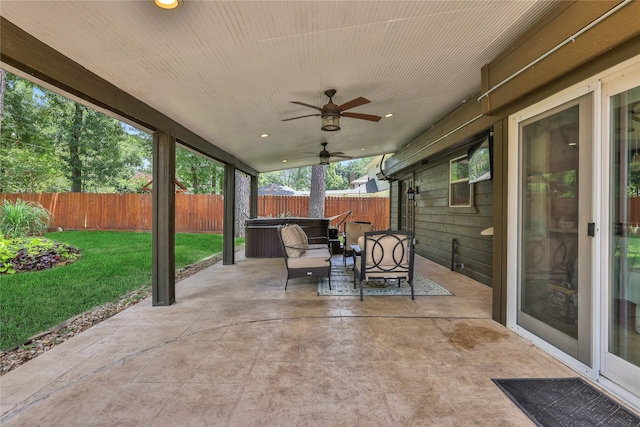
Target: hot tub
{"type": "Point", "coordinates": [261, 234]}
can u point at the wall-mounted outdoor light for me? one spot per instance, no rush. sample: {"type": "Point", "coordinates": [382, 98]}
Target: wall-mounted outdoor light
{"type": "Point", "coordinates": [411, 193]}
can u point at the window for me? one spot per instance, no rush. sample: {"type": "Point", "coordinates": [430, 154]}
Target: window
{"type": "Point", "coordinates": [460, 194]}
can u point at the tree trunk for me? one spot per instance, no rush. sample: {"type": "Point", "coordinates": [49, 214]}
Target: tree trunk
{"type": "Point", "coordinates": [318, 189]}
{"type": "Point", "coordinates": [194, 178]}
{"type": "Point", "coordinates": [242, 202]}
{"type": "Point", "coordinates": [74, 150]}
{"type": "Point", "coordinates": [214, 180]}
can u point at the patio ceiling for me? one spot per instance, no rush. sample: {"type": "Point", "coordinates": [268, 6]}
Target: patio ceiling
{"type": "Point", "coordinates": [227, 70]}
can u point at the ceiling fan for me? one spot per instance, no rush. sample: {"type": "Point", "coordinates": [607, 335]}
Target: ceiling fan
{"type": "Point", "coordinates": [325, 155]}
{"type": "Point", "coordinates": [331, 112]}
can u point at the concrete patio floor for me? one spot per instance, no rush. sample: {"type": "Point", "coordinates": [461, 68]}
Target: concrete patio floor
{"type": "Point", "coordinates": [237, 350]}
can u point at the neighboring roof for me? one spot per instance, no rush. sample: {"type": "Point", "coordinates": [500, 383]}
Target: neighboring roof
{"type": "Point", "coordinates": [278, 190]}
{"type": "Point", "coordinates": [180, 188]}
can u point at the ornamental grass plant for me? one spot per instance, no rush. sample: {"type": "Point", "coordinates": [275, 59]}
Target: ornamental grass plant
{"type": "Point", "coordinates": [21, 218]}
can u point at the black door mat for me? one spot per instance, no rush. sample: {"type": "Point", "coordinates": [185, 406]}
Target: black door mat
{"type": "Point", "coordinates": [556, 402]}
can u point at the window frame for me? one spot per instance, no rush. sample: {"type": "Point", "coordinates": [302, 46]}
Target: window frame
{"type": "Point", "coordinates": [459, 181]}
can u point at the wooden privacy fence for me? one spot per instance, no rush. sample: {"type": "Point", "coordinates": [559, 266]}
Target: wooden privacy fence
{"type": "Point", "coordinates": [194, 212]}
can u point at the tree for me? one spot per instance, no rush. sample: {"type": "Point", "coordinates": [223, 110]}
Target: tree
{"type": "Point", "coordinates": [28, 162]}
{"type": "Point", "coordinates": [333, 179]}
{"type": "Point", "coordinates": [75, 164]}
{"type": "Point", "coordinates": [317, 195]}
{"type": "Point", "coordinates": [50, 143]}
{"type": "Point", "coordinates": [199, 174]}
{"type": "Point", "coordinates": [242, 202]}
{"type": "Point", "coordinates": [349, 168]}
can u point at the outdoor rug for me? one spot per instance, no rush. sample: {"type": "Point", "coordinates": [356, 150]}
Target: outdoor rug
{"type": "Point", "coordinates": [557, 402]}
{"type": "Point", "coordinates": [342, 285]}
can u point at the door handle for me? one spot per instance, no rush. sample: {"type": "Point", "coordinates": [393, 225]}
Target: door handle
{"type": "Point", "coordinates": [591, 229]}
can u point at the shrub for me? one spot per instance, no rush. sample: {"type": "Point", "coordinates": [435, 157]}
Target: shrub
{"type": "Point", "coordinates": [22, 218]}
{"type": "Point", "coordinates": [32, 254]}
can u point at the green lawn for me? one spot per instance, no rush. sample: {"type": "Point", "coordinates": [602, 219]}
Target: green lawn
{"type": "Point", "coordinates": [112, 264]}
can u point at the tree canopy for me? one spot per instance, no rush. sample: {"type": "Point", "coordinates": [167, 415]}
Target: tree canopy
{"type": "Point", "coordinates": [49, 143]}
{"type": "Point", "coordinates": [338, 176]}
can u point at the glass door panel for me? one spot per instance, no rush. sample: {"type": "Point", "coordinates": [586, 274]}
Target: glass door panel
{"type": "Point", "coordinates": [624, 253]}
{"type": "Point", "coordinates": [555, 209]}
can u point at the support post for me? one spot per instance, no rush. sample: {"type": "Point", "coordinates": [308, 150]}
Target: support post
{"type": "Point", "coordinates": [229, 223]}
{"type": "Point", "coordinates": [253, 197]}
{"type": "Point", "coordinates": [500, 204]}
{"type": "Point", "coordinates": [163, 218]}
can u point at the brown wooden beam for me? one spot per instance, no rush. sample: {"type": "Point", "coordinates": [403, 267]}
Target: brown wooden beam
{"type": "Point", "coordinates": [164, 212]}
{"type": "Point", "coordinates": [500, 194]}
{"type": "Point", "coordinates": [425, 145]}
{"type": "Point", "coordinates": [567, 19]}
{"type": "Point", "coordinates": [229, 220]}
{"type": "Point", "coordinates": [253, 197]}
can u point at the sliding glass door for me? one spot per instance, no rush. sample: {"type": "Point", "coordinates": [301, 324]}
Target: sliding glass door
{"type": "Point", "coordinates": [554, 227]}
{"type": "Point", "coordinates": [621, 360]}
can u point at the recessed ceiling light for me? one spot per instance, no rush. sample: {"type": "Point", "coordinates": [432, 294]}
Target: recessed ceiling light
{"type": "Point", "coordinates": [388, 115]}
{"type": "Point", "coordinates": [363, 148]}
{"type": "Point", "coordinates": [168, 4]}
{"type": "Point", "coordinates": [264, 135]}
{"type": "Point", "coordinates": [284, 160]}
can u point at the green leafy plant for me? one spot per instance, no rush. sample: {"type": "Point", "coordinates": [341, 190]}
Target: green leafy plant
{"type": "Point", "coordinates": [20, 218]}
{"type": "Point", "coordinates": [25, 254]}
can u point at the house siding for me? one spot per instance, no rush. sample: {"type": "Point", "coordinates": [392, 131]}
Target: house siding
{"type": "Point", "coordinates": [394, 217]}
{"type": "Point", "coordinates": [436, 224]}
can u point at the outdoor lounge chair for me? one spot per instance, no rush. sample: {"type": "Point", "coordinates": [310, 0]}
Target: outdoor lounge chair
{"type": "Point", "coordinates": [302, 258]}
{"type": "Point", "coordinates": [386, 255]}
{"type": "Point", "coordinates": [352, 231]}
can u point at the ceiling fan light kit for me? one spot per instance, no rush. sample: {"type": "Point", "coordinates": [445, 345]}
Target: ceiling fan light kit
{"type": "Point", "coordinates": [330, 123]}
{"type": "Point", "coordinates": [325, 155]}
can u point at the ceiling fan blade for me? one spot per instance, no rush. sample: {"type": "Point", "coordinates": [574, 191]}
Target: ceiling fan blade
{"type": "Point", "coordinates": [337, 153]}
{"type": "Point", "coordinates": [342, 157]}
{"type": "Point", "coordinates": [369, 117]}
{"type": "Point", "coordinates": [299, 117]}
{"type": "Point", "coordinates": [306, 105]}
{"type": "Point", "coordinates": [354, 103]}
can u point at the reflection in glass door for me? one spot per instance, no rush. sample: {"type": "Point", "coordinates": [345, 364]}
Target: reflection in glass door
{"type": "Point", "coordinates": [554, 283]}
{"type": "Point", "coordinates": [622, 361]}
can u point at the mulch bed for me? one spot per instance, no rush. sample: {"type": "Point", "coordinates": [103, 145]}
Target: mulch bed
{"type": "Point", "coordinates": [38, 344]}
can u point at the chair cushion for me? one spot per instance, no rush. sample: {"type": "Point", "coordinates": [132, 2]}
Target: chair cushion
{"type": "Point", "coordinates": [387, 252]}
{"type": "Point", "coordinates": [302, 236]}
{"type": "Point", "coordinates": [311, 259]}
{"type": "Point", "coordinates": [291, 240]}
{"type": "Point", "coordinates": [353, 230]}
{"type": "Point", "coordinates": [317, 246]}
